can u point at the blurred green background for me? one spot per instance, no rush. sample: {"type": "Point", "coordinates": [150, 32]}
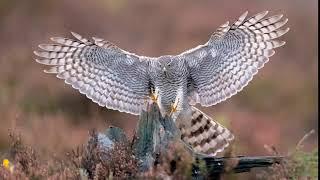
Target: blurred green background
{"type": "Point", "coordinates": [277, 108]}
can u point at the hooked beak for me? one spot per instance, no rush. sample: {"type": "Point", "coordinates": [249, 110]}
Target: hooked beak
{"type": "Point", "coordinates": [164, 69]}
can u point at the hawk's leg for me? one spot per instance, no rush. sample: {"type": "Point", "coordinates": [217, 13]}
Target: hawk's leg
{"type": "Point", "coordinates": [174, 107]}
{"type": "Point", "coordinates": [154, 95]}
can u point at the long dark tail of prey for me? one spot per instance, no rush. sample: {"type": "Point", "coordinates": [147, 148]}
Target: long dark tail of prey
{"type": "Point", "coordinates": [205, 135]}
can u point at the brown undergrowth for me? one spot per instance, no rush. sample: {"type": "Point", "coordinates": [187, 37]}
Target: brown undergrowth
{"type": "Point", "coordinates": [94, 162]}
{"type": "Point", "coordinates": [85, 162]}
{"type": "Point", "coordinates": [90, 161]}
{"type": "Point", "coordinates": [25, 163]}
{"type": "Point", "coordinates": [298, 164]}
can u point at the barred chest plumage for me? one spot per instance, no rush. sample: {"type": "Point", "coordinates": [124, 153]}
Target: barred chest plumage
{"type": "Point", "coordinates": [169, 78]}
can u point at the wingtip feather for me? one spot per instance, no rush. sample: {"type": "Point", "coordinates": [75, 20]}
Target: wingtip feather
{"type": "Point", "coordinates": [76, 35]}
{"type": "Point", "coordinates": [244, 15]}
{"type": "Point", "coordinates": [37, 60]}
{"type": "Point", "coordinates": [37, 53]}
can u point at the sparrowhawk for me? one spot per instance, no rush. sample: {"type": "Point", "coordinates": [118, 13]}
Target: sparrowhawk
{"type": "Point", "coordinates": [207, 74]}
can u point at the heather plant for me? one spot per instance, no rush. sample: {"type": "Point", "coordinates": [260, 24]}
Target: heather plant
{"type": "Point", "coordinates": [298, 164]}
{"type": "Point", "coordinates": [93, 161]}
{"type": "Point", "coordinates": [26, 163]}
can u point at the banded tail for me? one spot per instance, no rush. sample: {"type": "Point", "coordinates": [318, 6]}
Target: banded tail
{"type": "Point", "coordinates": [205, 135]}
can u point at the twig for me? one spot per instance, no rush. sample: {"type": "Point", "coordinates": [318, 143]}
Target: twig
{"type": "Point", "coordinates": [306, 136]}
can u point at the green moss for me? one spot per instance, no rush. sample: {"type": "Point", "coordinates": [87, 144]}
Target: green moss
{"type": "Point", "coordinates": [304, 165]}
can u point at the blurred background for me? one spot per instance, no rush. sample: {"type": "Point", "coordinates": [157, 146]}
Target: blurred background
{"type": "Point", "coordinates": [277, 108]}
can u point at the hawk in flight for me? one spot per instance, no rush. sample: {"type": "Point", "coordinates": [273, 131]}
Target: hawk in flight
{"type": "Point", "coordinates": [207, 74]}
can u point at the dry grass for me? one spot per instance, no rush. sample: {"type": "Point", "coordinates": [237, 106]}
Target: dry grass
{"type": "Point", "coordinates": [99, 163]}
{"type": "Point", "coordinates": [28, 165]}
{"type": "Point", "coordinates": [176, 163]}
{"type": "Point", "coordinates": [90, 161]}
{"type": "Point", "coordinates": [87, 161]}
{"type": "Point", "coordinates": [297, 165]}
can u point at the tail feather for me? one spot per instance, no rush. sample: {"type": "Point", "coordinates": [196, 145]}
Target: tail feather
{"type": "Point", "coordinates": [205, 135]}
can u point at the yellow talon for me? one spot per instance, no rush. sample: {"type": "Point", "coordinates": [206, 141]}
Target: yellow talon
{"type": "Point", "coordinates": [174, 107]}
{"type": "Point", "coordinates": [154, 95]}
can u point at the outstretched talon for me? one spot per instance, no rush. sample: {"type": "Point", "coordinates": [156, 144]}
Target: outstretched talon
{"type": "Point", "coordinates": [174, 107]}
{"type": "Point", "coordinates": [154, 95]}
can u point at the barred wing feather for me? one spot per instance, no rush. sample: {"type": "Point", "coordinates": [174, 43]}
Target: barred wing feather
{"type": "Point", "coordinates": [229, 60]}
{"type": "Point", "coordinates": [103, 72]}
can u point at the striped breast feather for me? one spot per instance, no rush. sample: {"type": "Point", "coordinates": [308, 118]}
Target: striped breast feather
{"type": "Point", "coordinates": [233, 55]}
{"type": "Point", "coordinates": [106, 74]}
{"type": "Point", "coordinates": [206, 136]}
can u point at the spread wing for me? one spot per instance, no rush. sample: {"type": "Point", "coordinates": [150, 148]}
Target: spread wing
{"type": "Point", "coordinates": [103, 72]}
{"type": "Point", "coordinates": [229, 60]}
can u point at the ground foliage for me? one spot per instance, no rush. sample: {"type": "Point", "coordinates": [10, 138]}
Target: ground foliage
{"type": "Point", "coordinates": [90, 161]}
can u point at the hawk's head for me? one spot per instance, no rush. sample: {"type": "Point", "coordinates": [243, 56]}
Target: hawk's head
{"type": "Point", "coordinates": [165, 63]}
{"type": "Point", "coordinates": [170, 68]}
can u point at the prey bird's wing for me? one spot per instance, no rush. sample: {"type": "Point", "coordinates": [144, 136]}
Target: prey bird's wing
{"type": "Point", "coordinates": [103, 72]}
{"type": "Point", "coordinates": [229, 60]}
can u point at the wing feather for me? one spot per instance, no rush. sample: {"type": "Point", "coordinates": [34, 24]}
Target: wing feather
{"type": "Point", "coordinates": [232, 56]}
{"type": "Point", "coordinates": [106, 74]}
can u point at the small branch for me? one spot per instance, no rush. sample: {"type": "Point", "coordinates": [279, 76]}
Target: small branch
{"type": "Point", "coordinates": [306, 136]}
{"type": "Point", "coordinates": [216, 166]}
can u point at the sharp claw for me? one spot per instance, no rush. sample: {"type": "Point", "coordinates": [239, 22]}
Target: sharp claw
{"type": "Point", "coordinates": [174, 108]}
{"type": "Point", "coordinates": [154, 95]}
